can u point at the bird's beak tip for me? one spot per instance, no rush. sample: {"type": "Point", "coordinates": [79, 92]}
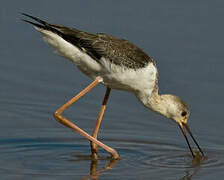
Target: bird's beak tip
{"type": "Point", "coordinates": [185, 125]}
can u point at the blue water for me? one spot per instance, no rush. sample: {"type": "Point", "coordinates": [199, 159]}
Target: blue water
{"type": "Point", "coordinates": [185, 40]}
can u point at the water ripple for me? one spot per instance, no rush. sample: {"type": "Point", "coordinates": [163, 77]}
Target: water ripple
{"type": "Point", "coordinates": [68, 156]}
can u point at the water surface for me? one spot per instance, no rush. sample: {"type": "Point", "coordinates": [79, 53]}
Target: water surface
{"type": "Point", "coordinates": [185, 40]}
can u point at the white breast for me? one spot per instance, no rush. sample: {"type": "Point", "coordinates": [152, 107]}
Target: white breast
{"type": "Point", "coordinates": [122, 78]}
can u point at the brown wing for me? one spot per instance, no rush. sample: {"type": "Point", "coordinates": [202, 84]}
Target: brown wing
{"type": "Point", "coordinates": [118, 51]}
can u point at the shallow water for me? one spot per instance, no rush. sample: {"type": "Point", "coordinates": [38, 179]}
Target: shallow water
{"type": "Point", "coordinates": [185, 39]}
{"type": "Point", "coordinates": [24, 155]}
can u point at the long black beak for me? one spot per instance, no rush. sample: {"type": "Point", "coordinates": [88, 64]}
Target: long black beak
{"type": "Point", "coordinates": [182, 125]}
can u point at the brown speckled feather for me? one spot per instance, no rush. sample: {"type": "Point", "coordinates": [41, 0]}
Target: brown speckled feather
{"type": "Point", "coordinates": [118, 51]}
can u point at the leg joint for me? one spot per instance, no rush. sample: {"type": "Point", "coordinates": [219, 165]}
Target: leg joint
{"type": "Point", "coordinates": [57, 116]}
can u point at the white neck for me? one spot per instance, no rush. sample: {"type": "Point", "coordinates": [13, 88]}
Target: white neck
{"type": "Point", "coordinates": [153, 101]}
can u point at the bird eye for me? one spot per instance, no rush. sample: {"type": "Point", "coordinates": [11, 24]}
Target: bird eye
{"type": "Point", "coordinates": [184, 113]}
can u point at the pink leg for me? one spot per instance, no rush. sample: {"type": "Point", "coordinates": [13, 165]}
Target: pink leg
{"type": "Point", "coordinates": [58, 116]}
{"type": "Point", "coordinates": [94, 148]}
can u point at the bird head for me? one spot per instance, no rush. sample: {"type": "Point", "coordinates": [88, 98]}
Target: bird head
{"type": "Point", "coordinates": [176, 109]}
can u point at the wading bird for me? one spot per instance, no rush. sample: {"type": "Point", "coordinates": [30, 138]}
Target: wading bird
{"type": "Point", "coordinates": [117, 64]}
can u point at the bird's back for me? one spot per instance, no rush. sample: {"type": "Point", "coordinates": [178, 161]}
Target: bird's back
{"type": "Point", "coordinates": [121, 64]}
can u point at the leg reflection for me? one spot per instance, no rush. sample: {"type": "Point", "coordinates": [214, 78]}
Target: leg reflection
{"type": "Point", "coordinates": [95, 173]}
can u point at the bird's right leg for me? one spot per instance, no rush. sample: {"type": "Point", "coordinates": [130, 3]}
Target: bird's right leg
{"type": "Point", "coordinates": [58, 116]}
{"type": "Point", "coordinates": [94, 148]}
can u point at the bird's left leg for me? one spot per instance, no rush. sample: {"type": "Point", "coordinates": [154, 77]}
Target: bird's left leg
{"type": "Point", "coordinates": [94, 148]}
{"type": "Point", "coordinates": [60, 118]}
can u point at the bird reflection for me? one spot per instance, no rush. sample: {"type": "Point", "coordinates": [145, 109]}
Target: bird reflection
{"type": "Point", "coordinates": [196, 164]}
{"type": "Point", "coordinates": [95, 172]}
{"type": "Point", "coordinates": [187, 176]}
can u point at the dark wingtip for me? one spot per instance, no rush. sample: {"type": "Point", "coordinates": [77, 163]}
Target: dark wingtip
{"type": "Point", "coordinates": [24, 14]}
{"type": "Point", "coordinates": [35, 24]}
{"type": "Point", "coordinates": [27, 15]}
{"type": "Point", "coordinates": [34, 18]}
{"type": "Point", "coordinates": [42, 25]}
